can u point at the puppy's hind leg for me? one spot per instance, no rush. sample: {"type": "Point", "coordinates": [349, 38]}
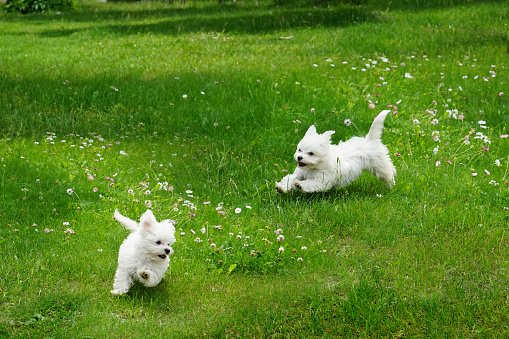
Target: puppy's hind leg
{"type": "Point", "coordinates": [385, 171]}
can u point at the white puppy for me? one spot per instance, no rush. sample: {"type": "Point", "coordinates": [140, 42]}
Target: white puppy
{"type": "Point", "coordinates": [144, 254]}
{"type": "Point", "coordinates": [322, 166]}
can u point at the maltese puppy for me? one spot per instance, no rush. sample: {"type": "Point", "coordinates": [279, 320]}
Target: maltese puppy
{"type": "Point", "coordinates": [322, 166]}
{"type": "Point", "coordinates": [144, 254]}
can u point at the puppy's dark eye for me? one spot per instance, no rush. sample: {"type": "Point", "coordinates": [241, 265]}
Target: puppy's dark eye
{"type": "Point", "coordinates": [299, 150]}
{"type": "Point", "coordinates": [310, 153]}
{"type": "Point", "coordinates": [158, 242]}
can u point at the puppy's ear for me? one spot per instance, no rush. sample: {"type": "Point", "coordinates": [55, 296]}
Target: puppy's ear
{"type": "Point", "coordinates": [327, 135]}
{"type": "Point", "coordinates": [147, 221]}
{"type": "Point", "coordinates": [311, 130]}
{"type": "Point", "coordinates": [169, 224]}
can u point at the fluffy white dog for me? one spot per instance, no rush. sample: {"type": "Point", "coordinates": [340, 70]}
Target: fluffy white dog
{"type": "Point", "coordinates": [144, 254]}
{"type": "Point", "coordinates": [322, 166]}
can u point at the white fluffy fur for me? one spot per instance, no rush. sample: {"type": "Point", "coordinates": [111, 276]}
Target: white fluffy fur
{"type": "Point", "coordinates": [144, 254]}
{"type": "Point", "coordinates": [322, 166]}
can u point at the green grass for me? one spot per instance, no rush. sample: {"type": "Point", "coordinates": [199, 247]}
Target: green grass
{"type": "Point", "coordinates": [196, 109]}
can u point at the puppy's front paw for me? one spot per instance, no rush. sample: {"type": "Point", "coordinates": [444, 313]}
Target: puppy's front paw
{"type": "Point", "coordinates": [298, 185]}
{"type": "Point", "coordinates": [118, 291]}
{"type": "Point", "coordinates": [144, 275]}
{"type": "Point", "coordinates": [280, 188]}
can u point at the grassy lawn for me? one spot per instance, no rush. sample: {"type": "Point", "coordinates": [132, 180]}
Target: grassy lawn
{"type": "Point", "coordinates": [195, 109]}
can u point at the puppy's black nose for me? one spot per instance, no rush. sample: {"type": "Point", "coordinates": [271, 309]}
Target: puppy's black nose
{"type": "Point", "coordinates": [167, 250]}
{"type": "Point", "coordinates": [299, 158]}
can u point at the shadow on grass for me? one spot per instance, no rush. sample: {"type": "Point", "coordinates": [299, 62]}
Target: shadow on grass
{"type": "Point", "coordinates": [365, 187]}
{"type": "Point", "coordinates": [424, 5]}
{"type": "Point", "coordinates": [241, 21]}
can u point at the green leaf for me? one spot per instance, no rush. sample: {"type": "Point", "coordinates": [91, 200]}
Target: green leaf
{"type": "Point", "coordinates": [231, 268]}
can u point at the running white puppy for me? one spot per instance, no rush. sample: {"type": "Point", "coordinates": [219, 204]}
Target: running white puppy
{"type": "Point", "coordinates": [144, 254]}
{"type": "Point", "coordinates": [322, 166]}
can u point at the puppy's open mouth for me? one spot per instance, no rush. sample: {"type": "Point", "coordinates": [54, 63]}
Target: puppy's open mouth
{"type": "Point", "coordinates": [162, 256]}
{"type": "Point", "coordinates": [301, 164]}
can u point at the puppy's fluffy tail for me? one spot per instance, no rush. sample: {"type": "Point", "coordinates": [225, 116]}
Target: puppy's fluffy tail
{"type": "Point", "coordinates": [131, 225]}
{"type": "Point", "coordinates": [375, 132]}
